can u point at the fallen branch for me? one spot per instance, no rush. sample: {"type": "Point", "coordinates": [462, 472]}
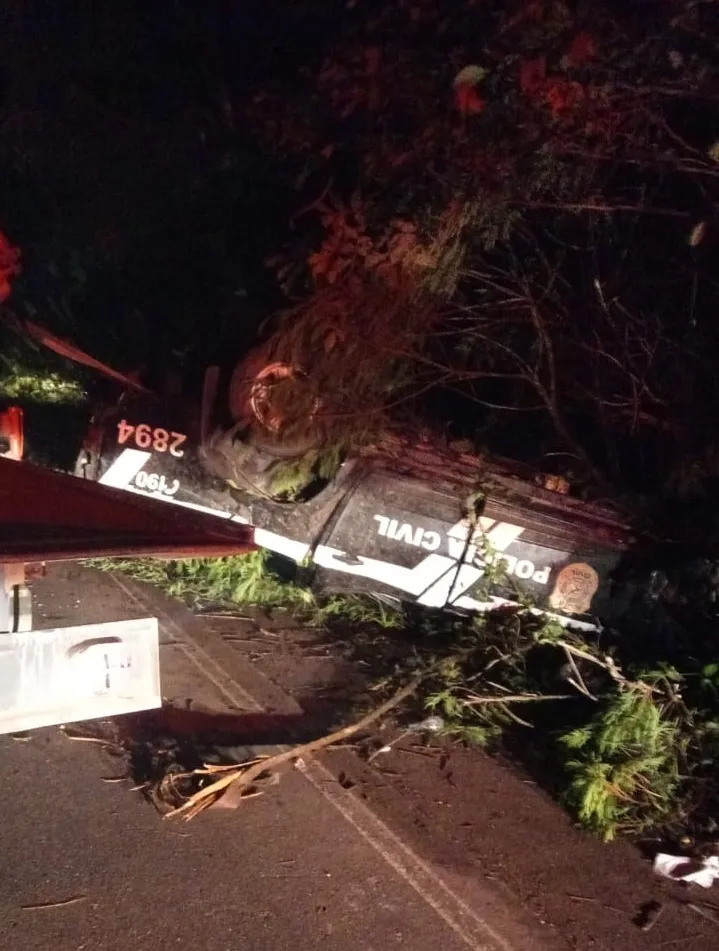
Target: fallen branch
{"type": "Point", "coordinates": [577, 681]}
{"type": "Point", "coordinates": [245, 776]}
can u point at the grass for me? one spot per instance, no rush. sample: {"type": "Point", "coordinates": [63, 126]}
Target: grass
{"type": "Point", "coordinates": [246, 579]}
{"type": "Point", "coordinates": [251, 580]}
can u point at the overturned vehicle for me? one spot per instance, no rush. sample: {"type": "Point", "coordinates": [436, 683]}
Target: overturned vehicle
{"type": "Point", "coordinates": [406, 518]}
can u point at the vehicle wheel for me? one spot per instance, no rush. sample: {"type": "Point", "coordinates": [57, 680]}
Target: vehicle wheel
{"type": "Point", "coordinates": [260, 394]}
{"type": "Point", "coordinates": [238, 461]}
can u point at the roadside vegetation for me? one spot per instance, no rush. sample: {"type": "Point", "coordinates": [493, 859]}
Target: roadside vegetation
{"type": "Point", "coordinates": [23, 385]}
{"type": "Point", "coordinates": [629, 749]}
{"type": "Point", "coordinates": [53, 398]}
{"type": "Point", "coordinates": [259, 579]}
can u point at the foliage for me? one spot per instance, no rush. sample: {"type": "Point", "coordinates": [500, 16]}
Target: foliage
{"type": "Point", "coordinates": [251, 580]}
{"type": "Point", "coordinates": [625, 765]}
{"type": "Point", "coordinates": [44, 387]}
{"type": "Point", "coordinates": [628, 752]}
{"type": "Point", "coordinates": [485, 682]}
{"type": "Point", "coordinates": [290, 479]}
{"type": "Point", "coordinates": [514, 202]}
{"type": "Point", "coordinates": [626, 755]}
{"type": "Point", "coordinates": [362, 610]}
{"type": "Point", "coordinates": [245, 579]}
{"type": "Point", "coordinates": [517, 205]}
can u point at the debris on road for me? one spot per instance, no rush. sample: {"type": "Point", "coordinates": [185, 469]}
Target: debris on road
{"type": "Point", "coordinates": [433, 724]}
{"type": "Point", "coordinates": [63, 903]}
{"type": "Point", "coordinates": [649, 915]}
{"type": "Point", "coordinates": [387, 748]}
{"type": "Point", "coordinates": [248, 776]}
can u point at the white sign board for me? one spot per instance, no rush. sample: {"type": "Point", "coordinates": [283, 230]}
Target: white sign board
{"type": "Point", "coordinates": [78, 673]}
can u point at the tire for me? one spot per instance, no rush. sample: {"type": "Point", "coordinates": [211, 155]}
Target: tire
{"type": "Point", "coordinates": [243, 410]}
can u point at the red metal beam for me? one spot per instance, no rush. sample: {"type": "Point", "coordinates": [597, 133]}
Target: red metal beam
{"type": "Point", "coordinates": [50, 516]}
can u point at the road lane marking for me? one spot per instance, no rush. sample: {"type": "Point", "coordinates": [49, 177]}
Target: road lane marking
{"type": "Point", "coordinates": [457, 914]}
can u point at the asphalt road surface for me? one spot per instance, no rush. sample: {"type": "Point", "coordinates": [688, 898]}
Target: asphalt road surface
{"type": "Point", "coordinates": [287, 875]}
{"type": "Point", "coordinates": [307, 866]}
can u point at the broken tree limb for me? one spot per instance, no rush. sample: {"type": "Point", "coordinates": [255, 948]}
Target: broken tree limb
{"type": "Point", "coordinates": [245, 776]}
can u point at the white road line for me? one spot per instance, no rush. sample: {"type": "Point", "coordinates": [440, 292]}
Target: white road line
{"type": "Point", "coordinates": [456, 913]}
{"type": "Point", "coordinates": [200, 658]}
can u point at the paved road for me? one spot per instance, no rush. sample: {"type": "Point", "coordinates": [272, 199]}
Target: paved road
{"type": "Point", "coordinates": [305, 867]}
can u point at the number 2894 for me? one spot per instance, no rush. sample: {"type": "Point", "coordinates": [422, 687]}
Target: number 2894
{"type": "Point", "coordinates": [145, 437]}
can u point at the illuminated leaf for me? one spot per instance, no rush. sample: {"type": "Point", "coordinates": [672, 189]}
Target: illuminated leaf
{"type": "Point", "coordinates": [696, 235]}
{"type": "Point", "coordinates": [470, 76]}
